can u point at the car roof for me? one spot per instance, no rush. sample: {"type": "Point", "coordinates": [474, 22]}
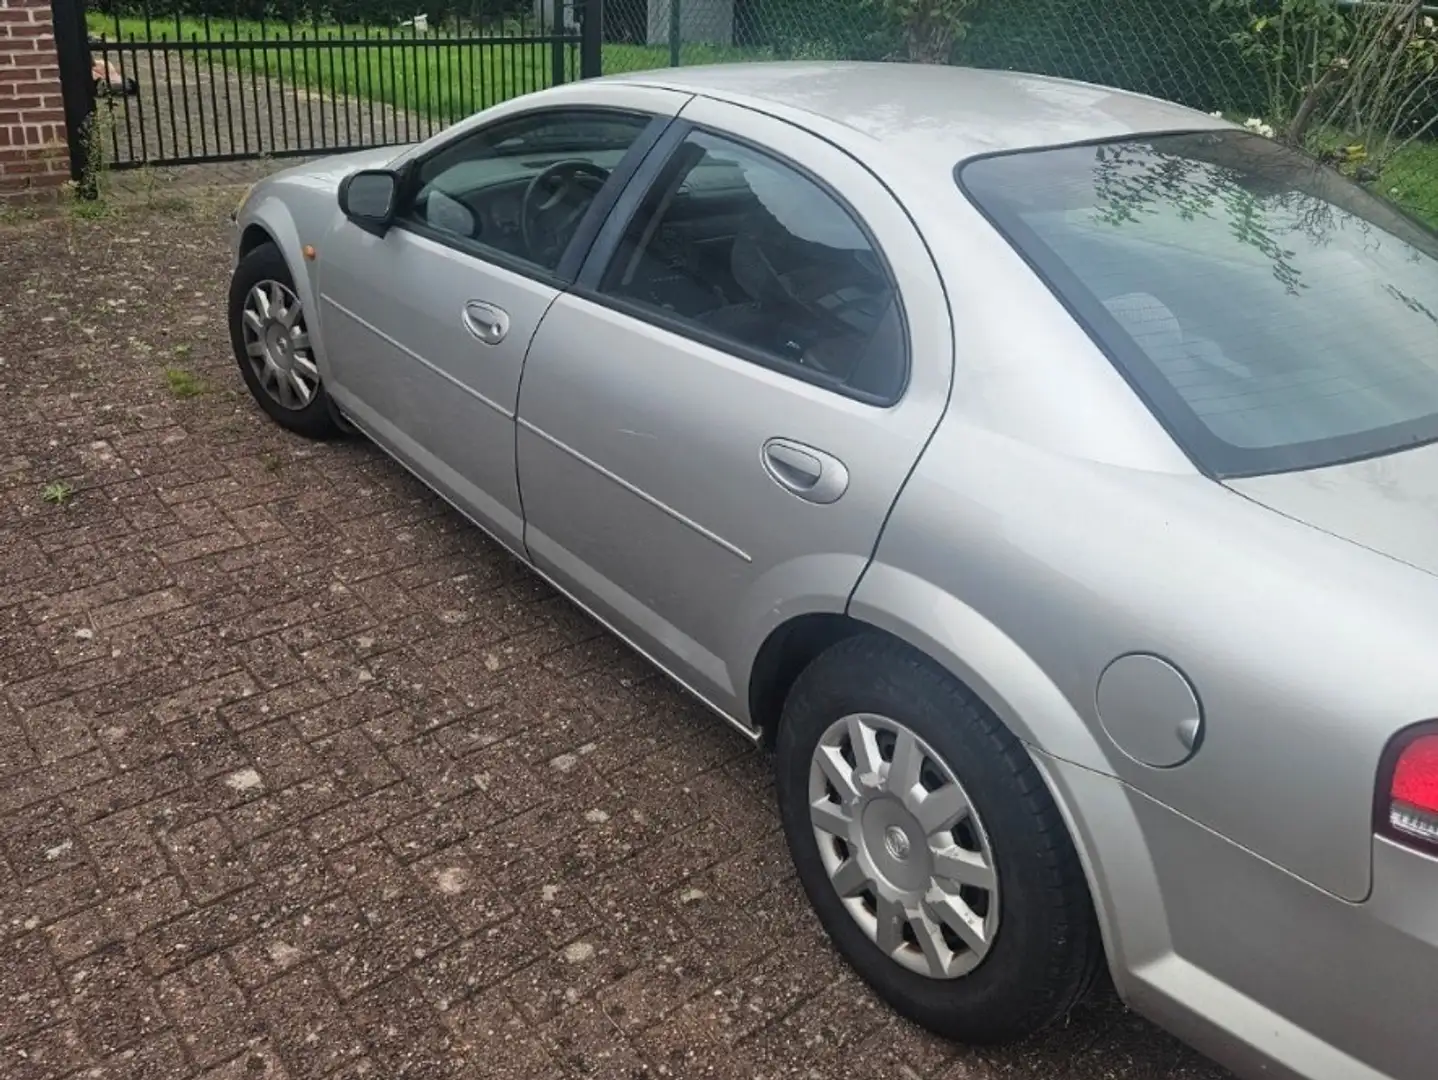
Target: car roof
{"type": "Point", "coordinates": [939, 113]}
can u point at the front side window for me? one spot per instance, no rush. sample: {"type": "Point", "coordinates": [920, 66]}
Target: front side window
{"type": "Point", "coordinates": [521, 187]}
{"type": "Point", "coordinates": [1275, 315]}
{"type": "Point", "coordinates": [740, 248]}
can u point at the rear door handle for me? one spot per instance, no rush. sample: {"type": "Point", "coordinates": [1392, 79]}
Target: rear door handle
{"type": "Point", "coordinates": [804, 471]}
{"type": "Point", "coordinates": [486, 322]}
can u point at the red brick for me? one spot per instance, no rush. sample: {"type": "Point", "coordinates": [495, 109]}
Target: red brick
{"type": "Point", "coordinates": [32, 57]}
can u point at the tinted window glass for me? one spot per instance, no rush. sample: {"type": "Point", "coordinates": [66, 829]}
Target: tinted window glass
{"type": "Point", "coordinates": [745, 249]}
{"type": "Point", "coordinates": [522, 186]}
{"type": "Point", "coordinates": [1276, 315]}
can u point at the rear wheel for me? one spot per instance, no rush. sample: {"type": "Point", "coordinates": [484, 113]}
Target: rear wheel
{"type": "Point", "coordinates": [271, 342]}
{"type": "Point", "coordinates": [930, 847]}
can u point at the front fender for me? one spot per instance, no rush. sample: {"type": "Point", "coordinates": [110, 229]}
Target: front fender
{"type": "Point", "coordinates": [267, 210]}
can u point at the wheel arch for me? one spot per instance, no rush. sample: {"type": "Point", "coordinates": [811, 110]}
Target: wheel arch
{"type": "Point", "coordinates": [788, 650]}
{"type": "Point", "coordinates": [269, 219]}
{"type": "Point", "coordinates": [950, 634]}
{"type": "Point", "coordinates": [982, 656]}
{"type": "Point", "coordinates": [253, 236]}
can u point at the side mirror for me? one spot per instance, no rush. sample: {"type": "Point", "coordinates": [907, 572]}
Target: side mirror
{"type": "Point", "coordinates": [369, 197]}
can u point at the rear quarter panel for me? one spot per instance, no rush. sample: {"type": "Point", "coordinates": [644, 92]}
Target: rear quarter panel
{"type": "Point", "coordinates": [1028, 572]}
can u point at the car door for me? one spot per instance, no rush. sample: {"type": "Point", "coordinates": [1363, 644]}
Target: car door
{"type": "Point", "coordinates": [426, 326]}
{"type": "Point", "coordinates": [716, 419]}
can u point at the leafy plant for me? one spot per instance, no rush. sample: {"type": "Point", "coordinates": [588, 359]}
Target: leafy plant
{"type": "Point", "coordinates": [930, 28]}
{"type": "Point", "coordinates": [1356, 83]}
{"type": "Point", "coordinates": [87, 193]}
{"type": "Point", "coordinates": [1295, 43]}
{"type": "Point", "coordinates": [57, 493]}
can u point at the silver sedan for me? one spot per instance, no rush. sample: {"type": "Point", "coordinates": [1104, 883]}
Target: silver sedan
{"type": "Point", "coordinates": [1047, 473]}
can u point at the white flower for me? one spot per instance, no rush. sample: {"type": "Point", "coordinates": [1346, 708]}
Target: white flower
{"type": "Point", "coordinates": [1217, 114]}
{"type": "Point", "coordinates": [1428, 23]}
{"type": "Point", "coordinates": [1259, 127]}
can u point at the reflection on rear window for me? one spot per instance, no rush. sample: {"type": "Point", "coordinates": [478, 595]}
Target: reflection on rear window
{"type": "Point", "coordinates": [1273, 314]}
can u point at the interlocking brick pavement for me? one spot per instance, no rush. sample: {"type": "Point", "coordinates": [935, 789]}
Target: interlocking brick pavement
{"type": "Point", "coordinates": [302, 777]}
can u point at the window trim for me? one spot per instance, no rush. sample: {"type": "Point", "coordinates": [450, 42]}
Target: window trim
{"type": "Point", "coordinates": [589, 225]}
{"type": "Point", "coordinates": [1211, 456]}
{"type": "Point", "coordinates": [606, 247]}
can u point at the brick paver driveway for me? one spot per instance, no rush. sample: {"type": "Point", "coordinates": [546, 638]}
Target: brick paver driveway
{"type": "Point", "coordinates": [301, 777]}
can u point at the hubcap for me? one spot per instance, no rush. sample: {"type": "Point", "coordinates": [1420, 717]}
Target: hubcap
{"type": "Point", "coordinates": [903, 846]}
{"type": "Point", "coordinates": [278, 345]}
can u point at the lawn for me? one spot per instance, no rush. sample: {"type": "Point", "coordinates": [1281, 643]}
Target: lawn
{"type": "Point", "coordinates": [1411, 180]}
{"type": "Point", "coordinates": [434, 74]}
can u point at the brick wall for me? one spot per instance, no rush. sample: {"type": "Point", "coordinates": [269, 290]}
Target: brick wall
{"type": "Point", "coordinates": [33, 152]}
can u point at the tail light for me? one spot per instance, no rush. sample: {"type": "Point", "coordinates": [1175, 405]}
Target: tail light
{"type": "Point", "coordinates": [1408, 791]}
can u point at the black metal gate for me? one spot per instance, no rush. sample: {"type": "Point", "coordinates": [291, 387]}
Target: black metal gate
{"type": "Point", "coordinates": [273, 78]}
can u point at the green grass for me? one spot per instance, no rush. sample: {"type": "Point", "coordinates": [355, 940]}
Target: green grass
{"type": "Point", "coordinates": [446, 82]}
{"type": "Point", "coordinates": [183, 383]}
{"type": "Point", "coordinates": [1411, 180]}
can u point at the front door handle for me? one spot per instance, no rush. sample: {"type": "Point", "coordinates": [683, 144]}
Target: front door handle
{"type": "Point", "coordinates": [803, 471]}
{"type": "Point", "coordinates": [486, 322]}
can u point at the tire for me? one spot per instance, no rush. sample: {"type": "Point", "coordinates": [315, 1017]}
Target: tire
{"type": "Point", "coordinates": [1044, 950]}
{"type": "Point", "coordinates": [279, 392]}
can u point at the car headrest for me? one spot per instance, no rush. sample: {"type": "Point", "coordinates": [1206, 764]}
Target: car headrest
{"type": "Point", "coordinates": [1147, 319]}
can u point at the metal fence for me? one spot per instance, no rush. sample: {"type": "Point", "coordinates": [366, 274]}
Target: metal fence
{"type": "Point", "coordinates": [1179, 50]}
{"type": "Point", "coordinates": [204, 80]}
{"type": "Point", "coordinates": [1176, 49]}
{"type": "Point", "coordinates": [185, 81]}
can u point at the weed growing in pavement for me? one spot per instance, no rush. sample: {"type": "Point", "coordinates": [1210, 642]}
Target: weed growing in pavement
{"type": "Point", "coordinates": [85, 196]}
{"type": "Point", "coordinates": [13, 213]}
{"type": "Point", "coordinates": [184, 383]}
{"type": "Point", "coordinates": [58, 493]}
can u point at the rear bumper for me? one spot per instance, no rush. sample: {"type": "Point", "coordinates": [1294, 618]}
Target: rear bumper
{"type": "Point", "coordinates": [1260, 970]}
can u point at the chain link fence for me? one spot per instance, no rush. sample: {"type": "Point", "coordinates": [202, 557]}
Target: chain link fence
{"type": "Point", "coordinates": [1176, 49]}
{"type": "Point", "coordinates": [1179, 50]}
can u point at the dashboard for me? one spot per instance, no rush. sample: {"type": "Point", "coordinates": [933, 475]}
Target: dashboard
{"type": "Point", "coordinates": [490, 215]}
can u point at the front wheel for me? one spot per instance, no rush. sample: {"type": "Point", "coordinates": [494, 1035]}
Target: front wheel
{"type": "Point", "coordinates": [930, 847]}
{"type": "Point", "coordinates": [271, 341]}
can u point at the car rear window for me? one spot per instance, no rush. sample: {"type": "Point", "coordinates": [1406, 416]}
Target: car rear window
{"type": "Point", "coordinates": [1274, 315]}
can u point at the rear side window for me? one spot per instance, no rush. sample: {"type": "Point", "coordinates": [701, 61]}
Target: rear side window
{"type": "Point", "coordinates": [1273, 314]}
{"type": "Point", "coordinates": [738, 248]}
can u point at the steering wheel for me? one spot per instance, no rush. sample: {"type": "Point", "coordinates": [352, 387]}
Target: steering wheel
{"type": "Point", "coordinates": [549, 210]}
